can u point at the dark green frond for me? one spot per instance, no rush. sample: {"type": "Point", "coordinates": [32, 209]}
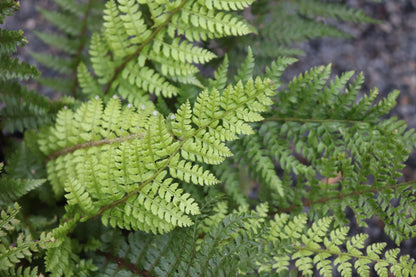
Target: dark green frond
{"type": "Point", "coordinates": [24, 109]}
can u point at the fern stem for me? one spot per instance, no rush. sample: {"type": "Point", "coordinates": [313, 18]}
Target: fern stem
{"type": "Point", "coordinates": [78, 53]}
{"type": "Point", "coordinates": [120, 68]}
{"type": "Point", "coordinates": [72, 149]}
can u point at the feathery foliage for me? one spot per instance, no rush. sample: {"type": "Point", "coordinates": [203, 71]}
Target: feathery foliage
{"type": "Point", "coordinates": [151, 168]}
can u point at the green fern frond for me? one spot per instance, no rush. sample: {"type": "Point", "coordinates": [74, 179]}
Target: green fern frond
{"type": "Point", "coordinates": [12, 189]}
{"type": "Point", "coordinates": [24, 109]}
{"type": "Point", "coordinates": [24, 272]}
{"type": "Point", "coordinates": [58, 259]}
{"type": "Point", "coordinates": [226, 5]}
{"type": "Point", "coordinates": [12, 69]}
{"type": "Point", "coordinates": [95, 137]}
{"type": "Point", "coordinates": [333, 10]}
{"type": "Point", "coordinates": [220, 75]}
{"type": "Point", "coordinates": [16, 247]}
{"type": "Point", "coordinates": [153, 57]}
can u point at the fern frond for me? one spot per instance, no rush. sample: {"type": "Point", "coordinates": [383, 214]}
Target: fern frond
{"type": "Point", "coordinates": [336, 11]}
{"type": "Point", "coordinates": [220, 75]}
{"type": "Point", "coordinates": [12, 69]}
{"type": "Point", "coordinates": [226, 5]}
{"type": "Point", "coordinates": [12, 189]}
{"type": "Point", "coordinates": [338, 130]}
{"type": "Point", "coordinates": [24, 272]}
{"type": "Point", "coordinates": [246, 71]}
{"type": "Point", "coordinates": [24, 109]}
{"type": "Point", "coordinates": [59, 261]}
{"type": "Point", "coordinates": [154, 57]}
{"type": "Point", "coordinates": [133, 157]}
{"type": "Point", "coordinates": [313, 246]}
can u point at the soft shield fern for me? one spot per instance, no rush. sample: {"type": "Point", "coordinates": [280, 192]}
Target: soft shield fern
{"type": "Point", "coordinates": [153, 169]}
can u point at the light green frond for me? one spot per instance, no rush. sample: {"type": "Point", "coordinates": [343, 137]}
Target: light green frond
{"type": "Point", "coordinates": [226, 5]}
{"type": "Point", "coordinates": [276, 68]}
{"type": "Point", "coordinates": [218, 23]}
{"type": "Point", "coordinates": [87, 83]}
{"type": "Point", "coordinates": [113, 24]}
{"type": "Point", "coordinates": [101, 62]}
{"type": "Point", "coordinates": [76, 195]}
{"type": "Point", "coordinates": [149, 80]}
{"type": "Point", "coordinates": [113, 155]}
{"type": "Point", "coordinates": [181, 125]}
{"type": "Point", "coordinates": [181, 50]}
{"type": "Point", "coordinates": [190, 172]}
{"type": "Point", "coordinates": [133, 21]}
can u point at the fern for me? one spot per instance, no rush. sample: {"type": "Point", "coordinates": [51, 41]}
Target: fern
{"type": "Point", "coordinates": [151, 168]}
